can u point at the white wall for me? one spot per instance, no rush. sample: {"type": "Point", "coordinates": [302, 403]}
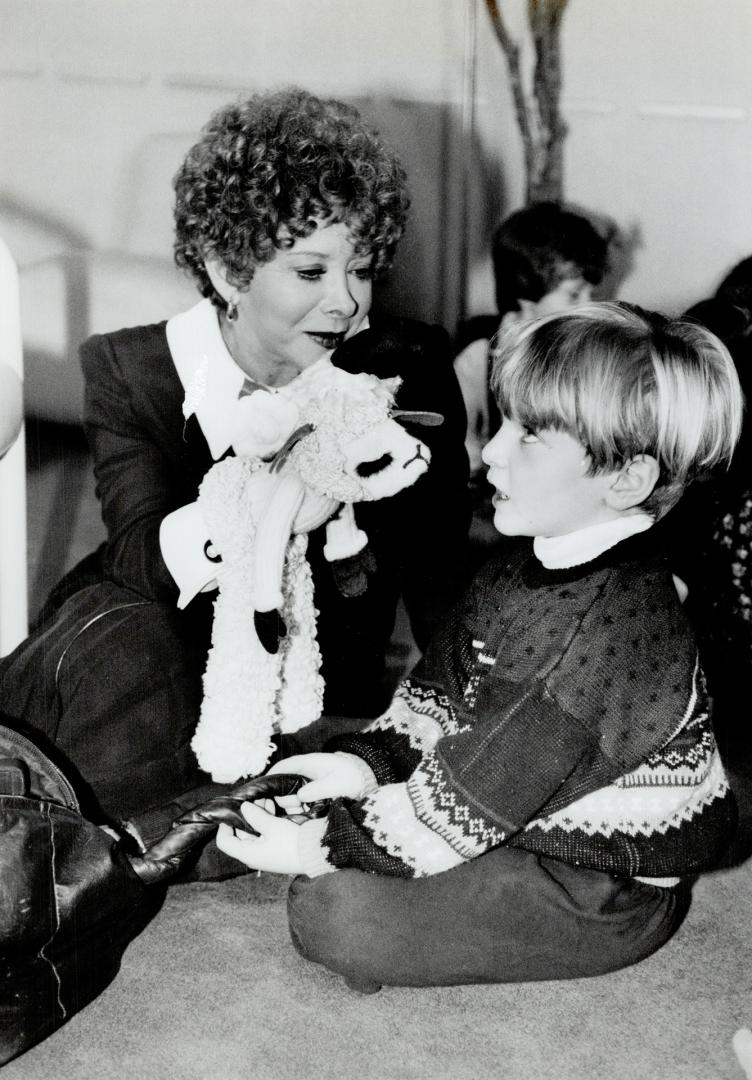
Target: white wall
{"type": "Point", "coordinates": [658, 97]}
{"type": "Point", "coordinates": [99, 97]}
{"type": "Point", "coordinates": [85, 81]}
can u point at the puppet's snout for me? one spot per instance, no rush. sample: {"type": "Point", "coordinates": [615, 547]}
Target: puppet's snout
{"type": "Point", "coordinates": [385, 460]}
{"type": "Point", "coordinates": [421, 456]}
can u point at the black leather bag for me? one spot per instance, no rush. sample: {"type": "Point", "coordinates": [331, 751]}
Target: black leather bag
{"type": "Point", "coordinates": [70, 900]}
{"type": "Point", "coordinates": [74, 894]}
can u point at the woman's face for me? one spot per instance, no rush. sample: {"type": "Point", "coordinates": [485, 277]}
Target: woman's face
{"type": "Point", "coordinates": [300, 305]}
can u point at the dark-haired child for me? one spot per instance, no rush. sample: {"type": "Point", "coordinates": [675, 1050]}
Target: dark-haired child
{"type": "Point", "coordinates": [546, 258]}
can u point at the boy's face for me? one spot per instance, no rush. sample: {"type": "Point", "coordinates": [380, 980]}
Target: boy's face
{"type": "Point", "coordinates": [542, 483]}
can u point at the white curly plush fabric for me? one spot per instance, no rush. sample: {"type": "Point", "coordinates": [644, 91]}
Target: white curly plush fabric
{"type": "Point", "coordinates": [258, 515]}
{"type": "Point", "coordinates": [248, 692]}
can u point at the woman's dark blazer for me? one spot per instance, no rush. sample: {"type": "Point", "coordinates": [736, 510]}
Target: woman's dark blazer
{"type": "Point", "coordinates": [148, 461]}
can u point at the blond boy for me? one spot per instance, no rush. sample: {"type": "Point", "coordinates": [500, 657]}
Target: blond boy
{"type": "Point", "coordinates": [545, 785]}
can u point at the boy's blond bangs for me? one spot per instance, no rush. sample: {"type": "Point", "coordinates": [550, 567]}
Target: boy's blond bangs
{"type": "Point", "coordinates": [624, 383]}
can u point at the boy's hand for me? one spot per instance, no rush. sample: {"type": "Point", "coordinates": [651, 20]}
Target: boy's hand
{"type": "Point", "coordinates": [275, 848]}
{"type": "Point", "coordinates": [332, 776]}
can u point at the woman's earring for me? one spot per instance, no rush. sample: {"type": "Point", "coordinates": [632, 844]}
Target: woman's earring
{"type": "Point", "coordinates": [232, 310]}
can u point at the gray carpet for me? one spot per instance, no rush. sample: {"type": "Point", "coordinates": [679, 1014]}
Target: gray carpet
{"type": "Point", "coordinates": [213, 990]}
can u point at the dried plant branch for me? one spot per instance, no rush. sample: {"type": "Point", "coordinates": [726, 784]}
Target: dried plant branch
{"type": "Point", "coordinates": [545, 18]}
{"type": "Point", "coordinates": [512, 53]}
{"type": "Point", "coordinates": [538, 117]}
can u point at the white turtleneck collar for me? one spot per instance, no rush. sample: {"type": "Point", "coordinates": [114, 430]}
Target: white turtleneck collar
{"type": "Point", "coordinates": [211, 379]}
{"type": "Point", "coordinates": [563, 552]}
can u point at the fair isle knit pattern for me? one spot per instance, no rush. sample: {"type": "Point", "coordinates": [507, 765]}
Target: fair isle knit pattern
{"type": "Point", "coordinates": [426, 848]}
{"type": "Point", "coordinates": [410, 820]}
{"type": "Point", "coordinates": [679, 785]}
{"type": "Point", "coordinates": [420, 714]}
{"type": "Point", "coordinates": [561, 711]}
{"type": "Point", "coordinates": [415, 721]}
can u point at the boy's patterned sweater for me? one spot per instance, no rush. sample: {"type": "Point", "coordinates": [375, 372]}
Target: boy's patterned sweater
{"type": "Point", "coordinates": [560, 711]}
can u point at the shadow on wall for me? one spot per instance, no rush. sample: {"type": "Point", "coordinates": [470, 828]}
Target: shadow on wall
{"type": "Point", "coordinates": [69, 290]}
{"type": "Point", "coordinates": [457, 193]}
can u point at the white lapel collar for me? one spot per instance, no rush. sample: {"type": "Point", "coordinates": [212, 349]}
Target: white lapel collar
{"type": "Point", "coordinates": [211, 379]}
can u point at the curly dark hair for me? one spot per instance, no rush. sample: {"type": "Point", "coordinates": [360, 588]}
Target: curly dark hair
{"type": "Point", "coordinates": [267, 169]}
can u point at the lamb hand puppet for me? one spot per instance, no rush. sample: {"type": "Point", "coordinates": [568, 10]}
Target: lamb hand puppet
{"type": "Point", "coordinates": [304, 455]}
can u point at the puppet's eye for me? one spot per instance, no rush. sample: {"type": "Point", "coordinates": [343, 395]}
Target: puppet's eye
{"type": "Point", "coordinates": [426, 419]}
{"type": "Point", "coordinates": [370, 468]}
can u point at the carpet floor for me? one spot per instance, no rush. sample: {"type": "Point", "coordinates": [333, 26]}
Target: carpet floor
{"type": "Point", "coordinates": [213, 990]}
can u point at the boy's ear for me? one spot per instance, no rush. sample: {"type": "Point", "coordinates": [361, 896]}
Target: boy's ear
{"type": "Point", "coordinates": [633, 483]}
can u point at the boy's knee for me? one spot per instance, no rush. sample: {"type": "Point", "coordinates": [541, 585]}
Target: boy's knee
{"type": "Point", "coordinates": [311, 907]}
{"type": "Point", "coordinates": [326, 917]}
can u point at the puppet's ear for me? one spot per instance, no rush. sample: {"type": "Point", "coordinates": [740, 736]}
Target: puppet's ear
{"type": "Point", "coordinates": [391, 382]}
{"type": "Point", "coordinates": [427, 419]}
{"type": "Point", "coordinates": [284, 451]}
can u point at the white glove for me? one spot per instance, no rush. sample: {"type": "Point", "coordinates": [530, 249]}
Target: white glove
{"type": "Point", "coordinates": [275, 848]}
{"type": "Point", "coordinates": [332, 776]}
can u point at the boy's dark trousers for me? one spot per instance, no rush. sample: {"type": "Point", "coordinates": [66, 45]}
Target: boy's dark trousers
{"type": "Point", "coordinates": [506, 916]}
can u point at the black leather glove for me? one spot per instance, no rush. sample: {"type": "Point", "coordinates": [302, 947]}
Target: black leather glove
{"type": "Point", "coordinates": [166, 857]}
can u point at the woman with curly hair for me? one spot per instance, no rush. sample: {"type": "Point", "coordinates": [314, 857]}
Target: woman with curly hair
{"type": "Point", "coordinates": [287, 208]}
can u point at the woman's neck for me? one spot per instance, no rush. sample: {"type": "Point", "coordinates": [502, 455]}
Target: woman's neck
{"type": "Point", "coordinates": [263, 370]}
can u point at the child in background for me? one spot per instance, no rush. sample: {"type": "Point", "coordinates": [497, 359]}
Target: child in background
{"type": "Point", "coordinates": [545, 784]}
{"type": "Point", "coordinates": [545, 259]}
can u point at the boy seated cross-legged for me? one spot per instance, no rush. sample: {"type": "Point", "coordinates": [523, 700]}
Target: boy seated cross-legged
{"type": "Point", "coordinates": [545, 784]}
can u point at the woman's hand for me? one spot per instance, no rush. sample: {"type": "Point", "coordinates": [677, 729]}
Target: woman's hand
{"type": "Point", "coordinates": [275, 848]}
{"type": "Point", "coordinates": [332, 776]}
